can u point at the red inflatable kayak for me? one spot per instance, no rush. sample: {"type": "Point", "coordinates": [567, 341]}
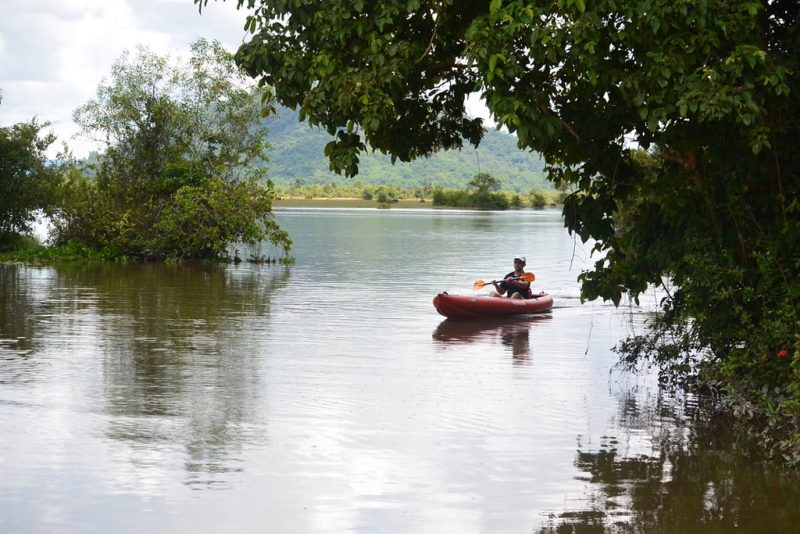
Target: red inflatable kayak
{"type": "Point", "coordinates": [466, 307]}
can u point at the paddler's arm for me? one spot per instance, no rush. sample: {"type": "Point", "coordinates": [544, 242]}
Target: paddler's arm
{"type": "Point", "coordinates": [519, 284]}
{"type": "Point", "coordinates": [500, 290]}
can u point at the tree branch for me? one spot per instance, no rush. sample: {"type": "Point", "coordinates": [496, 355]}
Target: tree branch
{"type": "Point", "coordinates": [433, 37]}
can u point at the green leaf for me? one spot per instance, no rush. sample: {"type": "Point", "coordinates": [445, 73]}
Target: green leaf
{"type": "Point", "coordinates": [655, 24]}
{"type": "Point", "coordinates": [492, 62]}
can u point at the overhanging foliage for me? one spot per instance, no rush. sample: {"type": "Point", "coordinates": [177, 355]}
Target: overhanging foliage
{"type": "Point", "coordinates": [675, 123]}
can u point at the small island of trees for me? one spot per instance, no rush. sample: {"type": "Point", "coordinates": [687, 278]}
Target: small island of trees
{"type": "Point", "coordinates": [176, 179]}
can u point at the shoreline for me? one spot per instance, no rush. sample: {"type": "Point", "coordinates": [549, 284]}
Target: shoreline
{"type": "Point", "coordinates": [409, 203]}
{"type": "Point", "coordinates": [290, 202]}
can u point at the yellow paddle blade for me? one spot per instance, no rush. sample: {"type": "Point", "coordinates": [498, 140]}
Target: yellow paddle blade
{"type": "Point", "coordinates": [479, 284]}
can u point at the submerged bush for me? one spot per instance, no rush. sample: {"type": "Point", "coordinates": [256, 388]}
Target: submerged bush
{"type": "Point", "coordinates": [201, 221]}
{"type": "Point", "coordinates": [196, 221]}
{"type": "Point", "coordinates": [735, 334]}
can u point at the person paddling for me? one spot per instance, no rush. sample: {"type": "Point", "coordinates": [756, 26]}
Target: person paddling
{"type": "Point", "coordinates": [512, 286]}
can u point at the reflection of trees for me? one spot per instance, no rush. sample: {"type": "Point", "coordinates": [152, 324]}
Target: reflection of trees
{"type": "Point", "coordinates": [16, 302]}
{"type": "Point", "coordinates": [471, 220]}
{"type": "Point", "coordinates": [694, 479]}
{"type": "Point", "coordinates": [181, 351]}
{"type": "Point", "coordinates": [179, 348]}
{"type": "Point", "coordinates": [26, 296]}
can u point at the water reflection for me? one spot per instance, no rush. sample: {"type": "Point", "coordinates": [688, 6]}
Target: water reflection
{"type": "Point", "coordinates": [165, 353]}
{"type": "Point", "coordinates": [476, 220]}
{"type": "Point", "coordinates": [125, 389]}
{"type": "Point", "coordinates": [179, 367]}
{"type": "Point", "coordinates": [21, 296]}
{"type": "Point", "coordinates": [684, 472]}
{"type": "Point", "coordinates": [513, 333]}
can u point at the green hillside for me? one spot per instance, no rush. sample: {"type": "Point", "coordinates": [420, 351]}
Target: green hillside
{"type": "Point", "coordinates": [297, 154]}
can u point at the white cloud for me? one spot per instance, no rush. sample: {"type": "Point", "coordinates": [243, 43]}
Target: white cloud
{"type": "Point", "coordinates": [476, 107]}
{"type": "Point", "coordinates": [54, 53]}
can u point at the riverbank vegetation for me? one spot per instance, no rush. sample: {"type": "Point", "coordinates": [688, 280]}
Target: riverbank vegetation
{"type": "Point", "coordinates": [672, 124]}
{"type": "Point", "coordinates": [177, 178]}
{"type": "Point", "coordinates": [28, 185]}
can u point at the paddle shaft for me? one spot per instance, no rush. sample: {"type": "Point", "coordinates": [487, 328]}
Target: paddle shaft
{"type": "Point", "coordinates": [527, 277]}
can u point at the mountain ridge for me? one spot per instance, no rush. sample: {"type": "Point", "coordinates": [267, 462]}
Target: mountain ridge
{"type": "Point", "coordinates": [296, 156]}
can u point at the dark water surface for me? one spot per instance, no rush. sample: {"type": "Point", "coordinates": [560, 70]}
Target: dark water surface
{"type": "Point", "coordinates": [328, 396]}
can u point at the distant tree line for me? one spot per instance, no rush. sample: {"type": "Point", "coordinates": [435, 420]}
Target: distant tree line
{"type": "Point", "coordinates": [483, 192]}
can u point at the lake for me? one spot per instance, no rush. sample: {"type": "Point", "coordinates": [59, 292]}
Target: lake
{"type": "Point", "coordinates": [329, 396]}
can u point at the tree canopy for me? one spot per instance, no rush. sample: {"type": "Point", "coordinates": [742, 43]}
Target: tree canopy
{"type": "Point", "coordinates": [178, 175]}
{"type": "Point", "coordinates": [27, 182]}
{"type": "Point", "coordinates": [367, 67]}
{"type": "Point", "coordinates": [673, 123]}
{"type": "Point", "coordinates": [155, 112]}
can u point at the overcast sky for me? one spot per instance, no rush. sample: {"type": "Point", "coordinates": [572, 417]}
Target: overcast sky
{"type": "Point", "coordinates": [54, 53]}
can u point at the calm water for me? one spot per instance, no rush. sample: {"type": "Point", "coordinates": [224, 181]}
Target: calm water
{"type": "Point", "coordinates": [328, 396]}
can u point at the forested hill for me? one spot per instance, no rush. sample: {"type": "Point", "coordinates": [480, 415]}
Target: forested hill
{"type": "Point", "coordinates": [297, 154]}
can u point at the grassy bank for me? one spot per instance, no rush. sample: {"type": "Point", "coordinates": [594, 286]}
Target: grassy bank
{"type": "Point", "coordinates": [357, 195]}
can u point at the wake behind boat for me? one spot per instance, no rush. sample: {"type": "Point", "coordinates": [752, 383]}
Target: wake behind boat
{"type": "Point", "coordinates": [482, 307]}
